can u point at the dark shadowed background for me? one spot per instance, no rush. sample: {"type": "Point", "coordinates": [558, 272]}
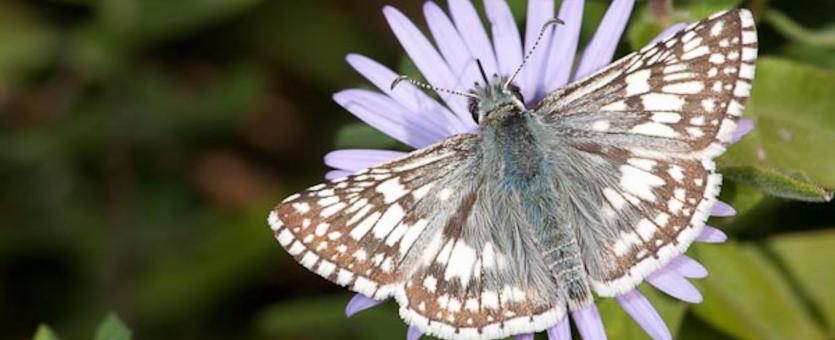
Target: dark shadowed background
{"type": "Point", "coordinates": [142, 143]}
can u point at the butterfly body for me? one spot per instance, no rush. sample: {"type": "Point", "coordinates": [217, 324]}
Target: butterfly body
{"type": "Point", "coordinates": [503, 232]}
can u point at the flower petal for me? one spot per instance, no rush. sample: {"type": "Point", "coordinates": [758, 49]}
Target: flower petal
{"type": "Point", "coordinates": [601, 49]}
{"type": "Point", "coordinates": [687, 267]}
{"type": "Point", "coordinates": [426, 58]}
{"type": "Point", "coordinates": [451, 45]}
{"type": "Point", "coordinates": [334, 174]}
{"type": "Point", "coordinates": [539, 12]}
{"type": "Point", "coordinates": [722, 209]}
{"type": "Point", "coordinates": [711, 235]}
{"type": "Point", "coordinates": [386, 115]}
{"type": "Point", "coordinates": [526, 336]}
{"type": "Point", "coordinates": [506, 41]}
{"type": "Point", "coordinates": [472, 31]}
{"type": "Point", "coordinates": [560, 331]}
{"type": "Point", "coordinates": [589, 324]}
{"type": "Point", "coordinates": [675, 285]}
{"type": "Point", "coordinates": [360, 303]}
{"type": "Point", "coordinates": [668, 32]}
{"type": "Point", "coordinates": [411, 97]}
{"type": "Point", "coordinates": [743, 127]}
{"type": "Point", "coordinates": [446, 37]}
{"type": "Point", "coordinates": [560, 57]}
{"type": "Point", "coordinates": [639, 308]}
{"type": "Point", "coordinates": [413, 333]}
{"type": "Point", "coordinates": [358, 159]}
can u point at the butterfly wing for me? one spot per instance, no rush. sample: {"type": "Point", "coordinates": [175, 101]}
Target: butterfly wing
{"type": "Point", "coordinates": [641, 135]}
{"type": "Point", "coordinates": [415, 229]}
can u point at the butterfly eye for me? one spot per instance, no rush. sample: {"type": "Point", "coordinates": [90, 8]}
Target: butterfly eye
{"type": "Point", "coordinates": [473, 107]}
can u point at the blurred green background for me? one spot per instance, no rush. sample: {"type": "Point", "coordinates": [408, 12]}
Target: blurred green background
{"type": "Point", "coordinates": [142, 143]}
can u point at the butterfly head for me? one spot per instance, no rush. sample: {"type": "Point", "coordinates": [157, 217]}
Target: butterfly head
{"type": "Point", "coordinates": [496, 98]}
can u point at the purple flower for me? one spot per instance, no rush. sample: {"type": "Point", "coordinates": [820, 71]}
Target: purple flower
{"type": "Point", "coordinates": [416, 119]}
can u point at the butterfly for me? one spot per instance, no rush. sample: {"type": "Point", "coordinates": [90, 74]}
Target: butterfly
{"type": "Point", "coordinates": [503, 232]}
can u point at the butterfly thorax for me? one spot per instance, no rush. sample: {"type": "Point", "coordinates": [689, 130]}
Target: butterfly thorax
{"type": "Point", "coordinates": [507, 140]}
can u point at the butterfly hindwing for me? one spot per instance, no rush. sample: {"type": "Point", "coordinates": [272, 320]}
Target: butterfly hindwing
{"type": "Point", "coordinates": [647, 128]}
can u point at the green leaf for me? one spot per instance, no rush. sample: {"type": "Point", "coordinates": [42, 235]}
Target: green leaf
{"type": "Point", "coordinates": [112, 328]}
{"type": "Point", "coordinates": [792, 106]}
{"type": "Point", "coordinates": [777, 184]}
{"type": "Point", "coordinates": [824, 37]}
{"type": "Point", "coordinates": [808, 258]}
{"type": "Point", "coordinates": [746, 297]}
{"type": "Point", "coordinates": [809, 54]}
{"type": "Point", "coordinates": [361, 135]}
{"type": "Point", "coordinates": [324, 318]}
{"type": "Point", "coordinates": [45, 332]}
{"type": "Point", "coordinates": [620, 325]}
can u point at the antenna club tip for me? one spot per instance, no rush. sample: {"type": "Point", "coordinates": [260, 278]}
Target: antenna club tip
{"type": "Point", "coordinates": [397, 81]}
{"type": "Point", "coordinates": [554, 21]}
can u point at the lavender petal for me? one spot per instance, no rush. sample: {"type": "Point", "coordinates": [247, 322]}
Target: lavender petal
{"type": "Point", "coordinates": [506, 42]}
{"type": "Point", "coordinates": [413, 333]}
{"type": "Point", "coordinates": [414, 99]}
{"type": "Point", "coordinates": [426, 58]}
{"type": "Point", "coordinates": [743, 127]}
{"type": "Point", "coordinates": [334, 174]}
{"type": "Point", "coordinates": [386, 115]}
{"type": "Point", "coordinates": [360, 303]}
{"type": "Point", "coordinates": [711, 235]}
{"type": "Point", "coordinates": [687, 267]}
{"type": "Point", "coordinates": [668, 32]}
{"type": "Point", "coordinates": [460, 60]}
{"type": "Point", "coordinates": [675, 285]}
{"type": "Point", "coordinates": [560, 331]}
{"type": "Point", "coordinates": [539, 12]}
{"type": "Point", "coordinates": [472, 31]}
{"type": "Point", "coordinates": [722, 209]}
{"type": "Point", "coordinates": [526, 336]}
{"type": "Point", "coordinates": [589, 324]}
{"type": "Point", "coordinates": [358, 159]}
{"type": "Point", "coordinates": [447, 38]}
{"type": "Point", "coordinates": [560, 56]}
{"type": "Point", "coordinates": [639, 308]}
{"type": "Point", "coordinates": [601, 49]}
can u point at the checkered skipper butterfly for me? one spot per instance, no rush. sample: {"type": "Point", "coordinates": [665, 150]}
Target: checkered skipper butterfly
{"type": "Point", "coordinates": [503, 232]}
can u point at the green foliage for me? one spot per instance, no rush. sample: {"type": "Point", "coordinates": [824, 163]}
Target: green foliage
{"type": "Point", "coordinates": [112, 328]}
{"type": "Point", "coordinates": [748, 298]}
{"type": "Point", "coordinates": [802, 257]}
{"type": "Point", "coordinates": [142, 144]}
{"type": "Point", "coordinates": [45, 332]}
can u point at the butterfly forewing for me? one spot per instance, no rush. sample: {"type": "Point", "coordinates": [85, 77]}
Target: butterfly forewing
{"type": "Point", "coordinates": [359, 231]}
{"type": "Point", "coordinates": [654, 121]}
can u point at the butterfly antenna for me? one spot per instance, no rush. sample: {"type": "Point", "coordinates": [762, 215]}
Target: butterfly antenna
{"type": "Point", "coordinates": [429, 87]}
{"type": "Point", "coordinates": [481, 69]}
{"type": "Point", "coordinates": [545, 27]}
